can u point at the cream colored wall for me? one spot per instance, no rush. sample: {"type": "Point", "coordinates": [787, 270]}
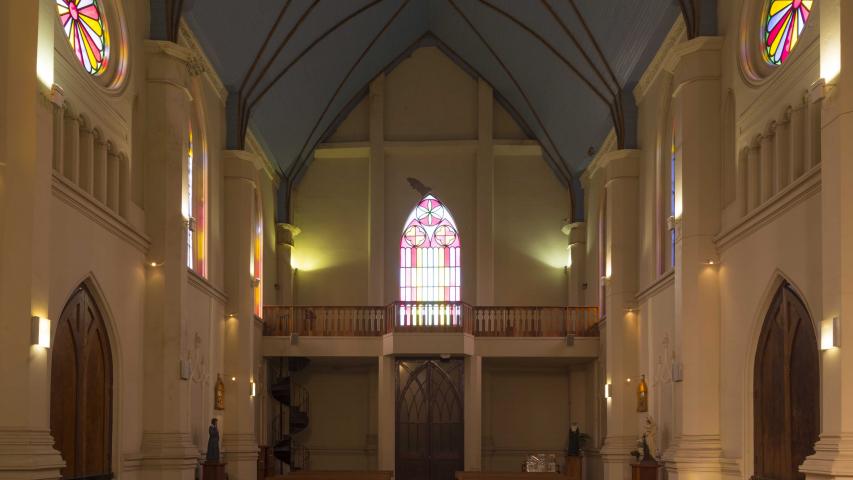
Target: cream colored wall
{"type": "Point", "coordinates": [528, 408]}
{"type": "Point", "coordinates": [756, 253]}
{"type": "Point", "coordinates": [331, 252]}
{"type": "Point", "coordinates": [341, 434]}
{"type": "Point", "coordinates": [430, 116]}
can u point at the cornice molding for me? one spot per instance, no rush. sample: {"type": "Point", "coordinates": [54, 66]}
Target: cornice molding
{"type": "Point", "coordinates": [73, 196]}
{"type": "Point", "coordinates": [187, 38]}
{"type": "Point", "coordinates": [676, 35]}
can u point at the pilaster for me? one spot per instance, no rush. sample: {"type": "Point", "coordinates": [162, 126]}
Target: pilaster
{"type": "Point", "coordinates": [622, 335]}
{"type": "Point", "coordinates": [284, 247]}
{"type": "Point", "coordinates": [167, 448]}
{"type": "Point", "coordinates": [696, 450]}
{"type": "Point", "coordinates": [485, 196]}
{"type": "Point", "coordinates": [239, 442]}
{"type": "Point", "coordinates": [473, 413]}
{"type": "Point", "coordinates": [576, 262]}
{"type": "Point", "coordinates": [833, 457]}
{"type": "Point", "coordinates": [386, 406]}
{"type": "Point", "coordinates": [26, 445]}
{"type": "Point", "coordinates": [376, 194]}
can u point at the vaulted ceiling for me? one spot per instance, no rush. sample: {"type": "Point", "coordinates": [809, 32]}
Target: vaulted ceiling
{"type": "Point", "coordinates": [565, 68]}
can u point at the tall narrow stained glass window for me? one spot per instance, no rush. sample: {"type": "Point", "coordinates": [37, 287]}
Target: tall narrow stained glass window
{"type": "Point", "coordinates": [86, 30]}
{"type": "Point", "coordinates": [671, 225]}
{"type": "Point", "coordinates": [188, 213]}
{"type": "Point", "coordinates": [785, 21]}
{"type": "Point", "coordinates": [430, 267]}
{"type": "Point", "coordinates": [256, 261]}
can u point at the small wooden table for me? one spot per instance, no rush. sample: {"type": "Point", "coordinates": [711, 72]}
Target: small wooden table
{"type": "Point", "coordinates": [213, 471]}
{"type": "Point", "coordinates": [645, 471]}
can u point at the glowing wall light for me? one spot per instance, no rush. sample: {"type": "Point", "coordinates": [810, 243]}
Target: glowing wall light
{"type": "Point", "coordinates": [40, 332]}
{"type": "Point", "coordinates": [254, 391]}
{"type": "Point", "coordinates": [829, 333]}
{"type": "Point", "coordinates": [608, 391]}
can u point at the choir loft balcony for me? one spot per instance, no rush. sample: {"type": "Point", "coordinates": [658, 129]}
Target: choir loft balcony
{"type": "Point", "coordinates": [430, 328]}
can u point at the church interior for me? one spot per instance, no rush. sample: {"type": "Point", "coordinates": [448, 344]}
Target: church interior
{"type": "Point", "coordinates": [426, 239]}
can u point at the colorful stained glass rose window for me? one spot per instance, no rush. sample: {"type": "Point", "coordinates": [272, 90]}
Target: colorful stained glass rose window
{"type": "Point", "coordinates": [784, 25]}
{"type": "Point", "coordinates": [86, 29]}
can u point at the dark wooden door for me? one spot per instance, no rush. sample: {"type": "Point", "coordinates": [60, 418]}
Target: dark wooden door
{"type": "Point", "coordinates": [430, 428]}
{"type": "Point", "coordinates": [786, 389]}
{"type": "Point", "coordinates": [81, 381]}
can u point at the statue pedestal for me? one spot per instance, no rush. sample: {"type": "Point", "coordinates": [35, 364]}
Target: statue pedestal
{"type": "Point", "coordinates": [574, 467]}
{"type": "Point", "coordinates": [213, 471]}
{"type": "Point", "coordinates": [645, 470]}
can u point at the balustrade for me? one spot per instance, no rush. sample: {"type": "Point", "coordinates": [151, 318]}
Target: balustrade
{"type": "Point", "coordinates": [372, 321]}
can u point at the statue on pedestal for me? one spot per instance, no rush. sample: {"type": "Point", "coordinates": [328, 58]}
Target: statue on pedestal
{"type": "Point", "coordinates": [213, 443]}
{"type": "Point", "coordinates": [574, 439]}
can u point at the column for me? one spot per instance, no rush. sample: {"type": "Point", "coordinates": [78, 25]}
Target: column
{"type": "Point", "coordinates": [386, 407]}
{"type": "Point", "coordinates": [376, 195]}
{"type": "Point", "coordinates": [124, 186]}
{"type": "Point", "coordinates": [99, 168]}
{"type": "Point", "coordinates": [71, 136]}
{"type": "Point", "coordinates": [753, 175]}
{"type": "Point", "coordinates": [741, 195]}
{"type": "Point", "coordinates": [26, 445]}
{"type": "Point", "coordinates": [87, 158]}
{"type": "Point", "coordinates": [473, 413]}
{"type": "Point", "coordinates": [781, 155]}
{"type": "Point", "coordinates": [767, 140]}
{"type": "Point", "coordinates": [239, 443]}
{"type": "Point", "coordinates": [284, 235]}
{"type": "Point", "coordinates": [575, 262]}
{"type": "Point", "coordinates": [167, 448]}
{"type": "Point", "coordinates": [112, 179]}
{"type": "Point", "coordinates": [622, 334]}
{"type": "Point", "coordinates": [796, 146]}
{"type": "Point", "coordinates": [696, 449]}
{"type": "Point", "coordinates": [485, 197]}
{"type": "Point", "coordinates": [833, 457]}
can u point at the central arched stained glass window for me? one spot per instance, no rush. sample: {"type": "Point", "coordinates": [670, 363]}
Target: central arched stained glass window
{"type": "Point", "coordinates": [430, 270]}
{"type": "Point", "coordinates": [785, 22]}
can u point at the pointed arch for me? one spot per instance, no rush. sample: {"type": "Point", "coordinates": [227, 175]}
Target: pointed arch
{"type": "Point", "coordinates": [81, 399]}
{"type": "Point", "coordinates": [430, 263]}
{"type": "Point", "coordinates": [786, 388]}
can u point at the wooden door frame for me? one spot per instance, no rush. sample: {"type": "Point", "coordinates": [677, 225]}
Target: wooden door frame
{"type": "Point", "coordinates": [774, 306]}
{"type": "Point", "coordinates": [95, 295]}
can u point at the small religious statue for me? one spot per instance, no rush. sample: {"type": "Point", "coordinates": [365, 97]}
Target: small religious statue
{"type": "Point", "coordinates": [574, 439]}
{"type": "Point", "coordinates": [219, 394]}
{"type": "Point", "coordinates": [213, 442]}
{"type": "Point", "coordinates": [650, 433]}
{"type": "Point", "coordinates": [642, 395]}
{"type": "Point", "coordinates": [213, 468]}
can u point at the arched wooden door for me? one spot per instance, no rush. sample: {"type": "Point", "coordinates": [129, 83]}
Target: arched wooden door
{"type": "Point", "coordinates": [81, 386]}
{"type": "Point", "coordinates": [430, 423]}
{"type": "Point", "coordinates": [786, 389]}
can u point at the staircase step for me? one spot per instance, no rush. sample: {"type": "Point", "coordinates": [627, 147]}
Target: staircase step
{"type": "Point", "coordinates": [281, 389]}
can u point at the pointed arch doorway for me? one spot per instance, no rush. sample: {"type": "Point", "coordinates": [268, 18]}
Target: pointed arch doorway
{"type": "Point", "coordinates": [786, 389]}
{"type": "Point", "coordinates": [430, 419]}
{"type": "Point", "coordinates": [81, 389]}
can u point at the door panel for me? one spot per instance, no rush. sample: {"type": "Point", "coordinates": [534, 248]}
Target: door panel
{"type": "Point", "coordinates": [81, 389]}
{"type": "Point", "coordinates": [430, 426]}
{"type": "Point", "coordinates": [786, 389]}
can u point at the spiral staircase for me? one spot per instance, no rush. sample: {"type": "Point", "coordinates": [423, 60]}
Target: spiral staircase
{"type": "Point", "coordinates": [293, 416]}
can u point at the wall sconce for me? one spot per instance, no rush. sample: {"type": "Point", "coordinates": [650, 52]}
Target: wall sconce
{"type": "Point", "coordinates": [608, 391]}
{"type": "Point", "coordinates": [253, 390]}
{"type": "Point", "coordinates": [40, 332]}
{"type": "Point", "coordinates": [711, 262]}
{"type": "Point", "coordinates": [154, 264]}
{"type": "Point", "coordinates": [829, 333]}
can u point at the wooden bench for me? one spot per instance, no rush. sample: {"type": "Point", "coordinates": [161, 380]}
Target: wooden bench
{"type": "Point", "coordinates": [508, 476]}
{"type": "Point", "coordinates": [335, 475]}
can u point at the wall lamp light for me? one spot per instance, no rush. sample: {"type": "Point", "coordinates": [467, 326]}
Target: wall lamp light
{"type": "Point", "coordinates": [830, 333]}
{"type": "Point", "coordinates": [40, 332]}
{"type": "Point", "coordinates": [608, 390]}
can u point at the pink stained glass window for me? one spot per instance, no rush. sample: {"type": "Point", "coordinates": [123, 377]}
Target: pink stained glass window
{"type": "Point", "coordinates": [430, 267]}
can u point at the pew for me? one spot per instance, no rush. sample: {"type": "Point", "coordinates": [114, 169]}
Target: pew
{"type": "Point", "coordinates": [335, 475]}
{"type": "Point", "coordinates": [508, 476]}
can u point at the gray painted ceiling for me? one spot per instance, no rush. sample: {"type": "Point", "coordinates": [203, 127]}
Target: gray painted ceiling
{"type": "Point", "coordinates": [551, 101]}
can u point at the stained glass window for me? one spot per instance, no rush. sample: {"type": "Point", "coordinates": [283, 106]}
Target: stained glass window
{"type": "Point", "coordinates": [785, 22]}
{"type": "Point", "coordinates": [430, 270]}
{"type": "Point", "coordinates": [189, 214]}
{"type": "Point", "coordinates": [256, 261]}
{"type": "Point", "coordinates": [86, 30]}
{"type": "Point", "coordinates": [671, 227]}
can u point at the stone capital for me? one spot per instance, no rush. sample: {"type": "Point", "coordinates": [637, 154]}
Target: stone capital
{"type": "Point", "coordinates": [285, 233]}
{"type": "Point", "coordinates": [621, 164]}
{"type": "Point", "coordinates": [694, 59]}
{"type": "Point", "coordinates": [575, 231]}
{"type": "Point", "coordinates": [241, 164]}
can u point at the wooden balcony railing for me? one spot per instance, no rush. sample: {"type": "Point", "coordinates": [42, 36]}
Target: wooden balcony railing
{"type": "Point", "coordinates": [369, 321]}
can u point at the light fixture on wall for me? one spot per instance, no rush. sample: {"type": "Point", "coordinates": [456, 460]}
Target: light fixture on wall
{"type": "Point", "coordinates": [253, 389]}
{"type": "Point", "coordinates": [154, 264]}
{"type": "Point", "coordinates": [40, 332]}
{"type": "Point", "coordinates": [829, 333]}
{"type": "Point", "coordinates": [608, 391]}
{"type": "Point", "coordinates": [711, 262]}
